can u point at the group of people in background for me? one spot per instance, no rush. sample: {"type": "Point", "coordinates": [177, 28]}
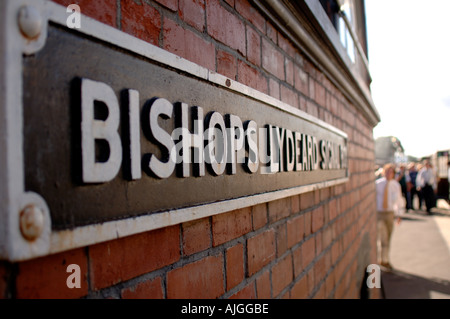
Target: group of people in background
{"type": "Point", "coordinates": [416, 179]}
{"type": "Point", "coordinates": [392, 186]}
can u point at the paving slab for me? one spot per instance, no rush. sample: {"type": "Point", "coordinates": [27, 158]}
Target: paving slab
{"type": "Point", "coordinates": [420, 256]}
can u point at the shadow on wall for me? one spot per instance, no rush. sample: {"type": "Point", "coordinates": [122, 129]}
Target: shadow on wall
{"type": "Point", "coordinates": [400, 285]}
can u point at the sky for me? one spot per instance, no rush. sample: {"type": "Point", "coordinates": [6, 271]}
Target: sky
{"type": "Point", "coordinates": [409, 61]}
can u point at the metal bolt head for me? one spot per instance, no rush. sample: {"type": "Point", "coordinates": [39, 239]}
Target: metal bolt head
{"type": "Point", "coordinates": [30, 21]}
{"type": "Point", "coordinates": [31, 222]}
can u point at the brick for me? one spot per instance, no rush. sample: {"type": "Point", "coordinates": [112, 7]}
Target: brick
{"type": "Point", "coordinates": [196, 236]}
{"type": "Point", "coordinates": [297, 261]}
{"type": "Point", "coordinates": [235, 265]}
{"type": "Point", "coordinates": [295, 204]}
{"type": "Point", "coordinates": [230, 2]}
{"type": "Point", "coordinates": [250, 13]}
{"type": "Point", "coordinates": [309, 68]}
{"type": "Point", "coordinates": [112, 262]}
{"type": "Point", "coordinates": [324, 194]}
{"type": "Point", "coordinates": [289, 67]}
{"type": "Point", "coordinates": [253, 46]}
{"type": "Point", "coordinates": [104, 11]}
{"type": "Point", "coordinates": [224, 26]}
{"type": "Point", "coordinates": [170, 4]}
{"type": "Point", "coordinates": [317, 219]}
{"type": "Point", "coordinates": [310, 280]}
{"type": "Point", "coordinates": [307, 223]}
{"type": "Point", "coordinates": [231, 225]}
{"type": "Point", "coordinates": [271, 32]}
{"type": "Point", "coordinates": [320, 294]}
{"type": "Point", "coordinates": [193, 13]}
{"type": "Point", "coordinates": [272, 59]}
{"type": "Point", "coordinates": [200, 279]}
{"type": "Point", "coordinates": [279, 209]}
{"type": "Point", "coordinates": [312, 109]}
{"type": "Point", "coordinates": [248, 292]}
{"type": "Point", "coordinates": [251, 77]}
{"type": "Point", "coordinates": [263, 286]}
{"type": "Point", "coordinates": [295, 230]}
{"type": "Point", "coordinates": [327, 236]}
{"type": "Point", "coordinates": [274, 88]}
{"type": "Point", "coordinates": [46, 277]}
{"type": "Point", "coordinates": [141, 20]}
{"type": "Point", "coordinates": [318, 243]}
{"type": "Point", "coordinates": [333, 105]}
{"type": "Point", "coordinates": [188, 45]}
{"type": "Point", "coordinates": [312, 88]}
{"type": "Point", "coordinates": [150, 289]}
{"type": "Point", "coordinates": [329, 285]}
{"type": "Point", "coordinates": [320, 94]}
{"type": "Point", "coordinates": [281, 239]}
{"type": "Point", "coordinates": [259, 216]}
{"type": "Point", "coordinates": [286, 45]}
{"type": "Point", "coordinates": [226, 64]}
{"type": "Point", "coordinates": [302, 103]}
{"type": "Point", "coordinates": [282, 275]}
{"type": "Point", "coordinates": [306, 200]}
{"type": "Point", "coordinates": [260, 251]}
{"type": "Point", "coordinates": [320, 270]}
{"type": "Point", "coordinates": [308, 252]}
{"type": "Point", "coordinates": [289, 96]}
{"type": "Point", "coordinates": [300, 289]}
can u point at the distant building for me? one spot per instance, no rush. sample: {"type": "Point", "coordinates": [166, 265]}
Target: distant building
{"type": "Point", "coordinates": [389, 149]}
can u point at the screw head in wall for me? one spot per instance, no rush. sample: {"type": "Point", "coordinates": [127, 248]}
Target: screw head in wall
{"type": "Point", "coordinates": [30, 21]}
{"type": "Point", "coordinates": [31, 222]}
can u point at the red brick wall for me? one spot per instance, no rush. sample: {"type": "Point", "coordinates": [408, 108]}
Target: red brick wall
{"type": "Point", "coordinates": [305, 246]}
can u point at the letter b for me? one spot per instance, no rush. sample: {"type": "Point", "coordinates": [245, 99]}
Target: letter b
{"type": "Point", "coordinates": [93, 129]}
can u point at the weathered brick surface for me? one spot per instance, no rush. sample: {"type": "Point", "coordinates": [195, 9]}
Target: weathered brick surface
{"type": "Point", "coordinates": [235, 265]}
{"type": "Point", "coordinates": [200, 279]}
{"type": "Point", "coordinates": [251, 77]}
{"type": "Point", "coordinates": [231, 225]}
{"type": "Point", "coordinates": [196, 236]}
{"type": "Point", "coordinates": [46, 277]}
{"type": "Point", "coordinates": [224, 26]}
{"type": "Point", "coordinates": [189, 45]}
{"type": "Point", "coordinates": [193, 13]}
{"type": "Point", "coordinates": [260, 250]}
{"type": "Point", "coordinates": [272, 59]}
{"type": "Point", "coordinates": [115, 261]}
{"type": "Point", "coordinates": [104, 11]}
{"type": "Point", "coordinates": [141, 20]}
{"type": "Point", "coordinates": [150, 289]}
{"type": "Point", "coordinates": [305, 246]}
{"type": "Point", "coordinates": [282, 275]}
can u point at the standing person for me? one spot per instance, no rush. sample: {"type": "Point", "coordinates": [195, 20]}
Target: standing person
{"type": "Point", "coordinates": [418, 189]}
{"type": "Point", "coordinates": [426, 183]}
{"type": "Point", "coordinates": [389, 206]}
{"type": "Point", "coordinates": [402, 178]}
{"type": "Point", "coordinates": [413, 187]}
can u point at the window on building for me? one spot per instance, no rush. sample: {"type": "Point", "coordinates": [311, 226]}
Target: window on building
{"type": "Point", "coordinates": [341, 15]}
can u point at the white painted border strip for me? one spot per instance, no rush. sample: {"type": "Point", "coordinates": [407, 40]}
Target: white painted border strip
{"type": "Point", "coordinates": [12, 245]}
{"type": "Point", "coordinates": [97, 233]}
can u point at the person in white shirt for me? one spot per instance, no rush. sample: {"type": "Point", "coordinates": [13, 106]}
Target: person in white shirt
{"type": "Point", "coordinates": [390, 205]}
{"type": "Point", "coordinates": [426, 183]}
